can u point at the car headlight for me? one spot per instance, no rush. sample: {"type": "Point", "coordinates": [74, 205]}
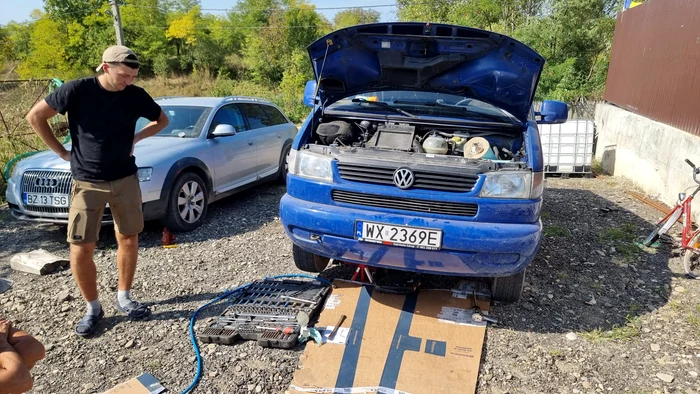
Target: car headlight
{"type": "Point", "coordinates": [310, 165]}
{"type": "Point", "coordinates": [15, 171]}
{"type": "Point", "coordinates": [513, 185]}
{"type": "Point", "coordinates": [144, 174]}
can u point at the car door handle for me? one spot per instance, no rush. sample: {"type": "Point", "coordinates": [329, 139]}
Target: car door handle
{"type": "Point", "coordinates": [250, 142]}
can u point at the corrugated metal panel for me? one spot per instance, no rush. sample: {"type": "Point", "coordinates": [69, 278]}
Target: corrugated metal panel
{"type": "Point", "coordinates": [654, 64]}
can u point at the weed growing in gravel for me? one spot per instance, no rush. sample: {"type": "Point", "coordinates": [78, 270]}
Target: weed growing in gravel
{"type": "Point", "coordinates": [555, 231]}
{"type": "Point", "coordinates": [631, 329]}
{"type": "Point", "coordinates": [626, 232]}
{"type": "Point", "coordinates": [555, 352]}
{"type": "Point", "coordinates": [675, 305]}
{"type": "Point", "coordinates": [635, 307]}
{"type": "Point", "coordinates": [545, 215]}
{"type": "Point", "coordinates": [694, 321]}
{"type": "Point", "coordinates": [629, 252]}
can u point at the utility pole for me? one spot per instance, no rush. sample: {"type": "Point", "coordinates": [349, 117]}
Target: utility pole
{"type": "Point", "coordinates": [117, 22]}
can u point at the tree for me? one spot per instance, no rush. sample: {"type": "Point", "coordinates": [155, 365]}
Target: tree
{"type": "Point", "coordinates": [72, 10]}
{"type": "Point", "coordinates": [48, 52]}
{"type": "Point", "coordinates": [268, 52]}
{"type": "Point", "coordinates": [143, 23]}
{"type": "Point", "coordinates": [354, 16]}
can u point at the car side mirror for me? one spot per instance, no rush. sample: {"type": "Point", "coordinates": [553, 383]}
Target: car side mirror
{"type": "Point", "coordinates": [552, 112]}
{"type": "Point", "coordinates": [310, 93]}
{"type": "Point", "coordinates": [224, 130]}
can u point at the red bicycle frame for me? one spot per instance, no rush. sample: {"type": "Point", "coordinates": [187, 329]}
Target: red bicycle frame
{"type": "Point", "coordinates": [684, 205]}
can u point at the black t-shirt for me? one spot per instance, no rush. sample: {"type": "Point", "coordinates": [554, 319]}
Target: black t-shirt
{"type": "Point", "coordinates": [102, 126]}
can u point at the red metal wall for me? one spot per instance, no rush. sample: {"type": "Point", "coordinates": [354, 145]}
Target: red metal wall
{"type": "Point", "coordinates": [655, 62]}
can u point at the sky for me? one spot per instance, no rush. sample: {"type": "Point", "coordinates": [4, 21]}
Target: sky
{"type": "Point", "coordinates": [19, 10]}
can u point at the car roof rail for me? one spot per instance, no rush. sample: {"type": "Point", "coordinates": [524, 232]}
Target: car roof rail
{"type": "Point", "coordinates": [167, 97]}
{"type": "Point", "coordinates": [246, 98]}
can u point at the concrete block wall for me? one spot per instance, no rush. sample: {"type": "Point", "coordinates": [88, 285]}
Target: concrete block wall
{"type": "Point", "coordinates": [649, 153]}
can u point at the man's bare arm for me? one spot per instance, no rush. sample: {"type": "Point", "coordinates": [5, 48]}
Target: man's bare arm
{"type": "Point", "coordinates": [152, 128]}
{"type": "Point", "coordinates": [14, 375]}
{"type": "Point", "coordinates": [39, 117]}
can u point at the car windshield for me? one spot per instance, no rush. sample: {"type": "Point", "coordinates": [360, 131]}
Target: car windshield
{"type": "Point", "coordinates": [184, 121]}
{"type": "Point", "coordinates": [417, 103]}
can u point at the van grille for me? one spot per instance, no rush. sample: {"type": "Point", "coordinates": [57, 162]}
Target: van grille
{"type": "Point", "coordinates": [430, 180]}
{"type": "Point", "coordinates": [405, 204]}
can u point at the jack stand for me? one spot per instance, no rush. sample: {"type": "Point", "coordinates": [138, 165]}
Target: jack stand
{"type": "Point", "coordinates": [363, 272]}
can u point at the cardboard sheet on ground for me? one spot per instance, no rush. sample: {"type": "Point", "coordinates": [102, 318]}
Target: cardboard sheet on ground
{"type": "Point", "coordinates": [419, 343]}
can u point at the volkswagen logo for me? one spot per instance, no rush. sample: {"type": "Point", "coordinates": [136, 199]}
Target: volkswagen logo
{"type": "Point", "coordinates": [403, 178]}
{"type": "Point", "coordinates": [46, 182]}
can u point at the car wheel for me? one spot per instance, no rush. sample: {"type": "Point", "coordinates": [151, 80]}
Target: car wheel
{"type": "Point", "coordinates": [307, 261]}
{"type": "Point", "coordinates": [508, 288]}
{"type": "Point", "coordinates": [284, 166]}
{"type": "Point", "coordinates": [187, 204]}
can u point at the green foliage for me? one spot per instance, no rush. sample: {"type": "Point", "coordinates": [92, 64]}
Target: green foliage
{"type": "Point", "coordinates": [265, 40]}
{"type": "Point", "coordinates": [354, 16]}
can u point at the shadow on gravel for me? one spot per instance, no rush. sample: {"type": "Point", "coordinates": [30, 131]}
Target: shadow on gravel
{"type": "Point", "coordinates": [590, 276]}
{"type": "Point", "coordinates": [115, 318]}
{"type": "Point", "coordinates": [240, 213]}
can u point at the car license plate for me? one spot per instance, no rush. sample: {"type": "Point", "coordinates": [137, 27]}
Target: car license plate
{"type": "Point", "coordinates": [47, 200]}
{"type": "Point", "coordinates": [387, 234]}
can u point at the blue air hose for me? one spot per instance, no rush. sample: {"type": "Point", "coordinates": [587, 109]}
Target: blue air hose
{"type": "Point", "coordinates": [226, 294]}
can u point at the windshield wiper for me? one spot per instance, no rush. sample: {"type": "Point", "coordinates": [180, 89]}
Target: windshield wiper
{"type": "Point", "coordinates": [384, 105]}
{"type": "Point", "coordinates": [465, 109]}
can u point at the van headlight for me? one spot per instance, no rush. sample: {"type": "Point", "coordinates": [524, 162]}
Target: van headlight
{"type": "Point", "coordinates": [310, 165]}
{"type": "Point", "coordinates": [144, 174]}
{"type": "Point", "coordinates": [526, 185]}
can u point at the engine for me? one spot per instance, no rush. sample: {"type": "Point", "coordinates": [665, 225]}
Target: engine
{"type": "Point", "coordinates": [405, 137]}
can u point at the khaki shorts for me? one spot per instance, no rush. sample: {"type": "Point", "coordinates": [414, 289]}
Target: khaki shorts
{"type": "Point", "coordinates": [87, 206]}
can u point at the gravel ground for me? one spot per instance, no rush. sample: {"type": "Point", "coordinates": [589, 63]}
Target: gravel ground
{"type": "Point", "coordinates": [599, 314]}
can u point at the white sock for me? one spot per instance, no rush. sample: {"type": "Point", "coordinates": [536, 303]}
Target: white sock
{"type": "Point", "coordinates": [124, 297]}
{"type": "Point", "coordinates": [94, 308]}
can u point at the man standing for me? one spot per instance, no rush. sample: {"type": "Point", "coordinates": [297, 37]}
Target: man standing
{"type": "Point", "coordinates": [102, 114]}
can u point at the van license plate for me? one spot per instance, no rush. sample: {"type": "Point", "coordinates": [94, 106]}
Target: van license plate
{"type": "Point", "coordinates": [387, 234]}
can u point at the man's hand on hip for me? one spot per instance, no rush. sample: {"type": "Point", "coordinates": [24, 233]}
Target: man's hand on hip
{"type": "Point", "coordinates": [65, 155]}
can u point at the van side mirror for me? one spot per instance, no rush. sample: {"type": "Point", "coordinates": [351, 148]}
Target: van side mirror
{"type": "Point", "coordinates": [552, 112]}
{"type": "Point", "coordinates": [224, 130]}
{"type": "Point", "coordinates": [310, 93]}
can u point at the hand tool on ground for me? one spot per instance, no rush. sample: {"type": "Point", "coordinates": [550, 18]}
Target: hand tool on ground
{"type": "Point", "coordinates": [337, 325]}
{"type": "Point", "coordinates": [285, 297]}
{"type": "Point", "coordinates": [477, 315]}
{"type": "Point", "coordinates": [286, 330]}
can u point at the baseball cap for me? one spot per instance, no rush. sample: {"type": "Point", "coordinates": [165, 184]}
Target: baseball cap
{"type": "Point", "coordinates": [118, 54]}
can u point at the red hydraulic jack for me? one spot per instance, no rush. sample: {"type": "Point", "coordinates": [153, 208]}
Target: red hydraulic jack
{"type": "Point", "coordinates": [362, 271]}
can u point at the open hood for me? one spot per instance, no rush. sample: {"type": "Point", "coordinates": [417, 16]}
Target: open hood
{"type": "Point", "coordinates": [430, 57]}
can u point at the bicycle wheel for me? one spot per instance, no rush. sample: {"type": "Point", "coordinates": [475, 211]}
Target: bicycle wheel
{"type": "Point", "coordinates": [691, 258]}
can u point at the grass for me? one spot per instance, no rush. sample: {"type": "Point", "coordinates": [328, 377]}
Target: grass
{"type": "Point", "coordinates": [630, 330]}
{"type": "Point", "coordinates": [635, 307]}
{"type": "Point", "coordinates": [629, 251]}
{"type": "Point", "coordinates": [555, 352]}
{"type": "Point", "coordinates": [555, 231]}
{"type": "Point", "coordinates": [623, 237]}
{"type": "Point", "coordinates": [597, 167]}
{"type": "Point", "coordinates": [626, 232]}
{"type": "Point", "coordinates": [694, 321]}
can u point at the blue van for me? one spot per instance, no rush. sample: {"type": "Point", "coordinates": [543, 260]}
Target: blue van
{"type": "Point", "coordinates": [421, 153]}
